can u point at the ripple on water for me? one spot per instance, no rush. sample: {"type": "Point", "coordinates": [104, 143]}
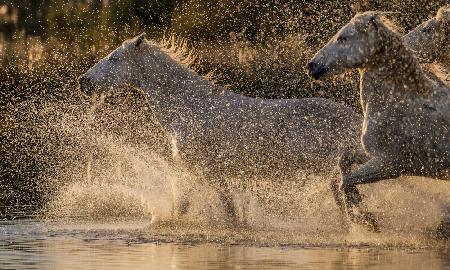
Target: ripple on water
{"type": "Point", "coordinates": [136, 245]}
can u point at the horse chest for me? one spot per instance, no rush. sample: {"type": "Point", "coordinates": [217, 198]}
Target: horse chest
{"type": "Point", "coordinates": [382, 133]}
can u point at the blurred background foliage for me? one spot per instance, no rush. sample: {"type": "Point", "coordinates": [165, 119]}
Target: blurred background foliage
{"type": "Point", "coordinates": [257, 20]}
{"type": "Point", "coordinates": [255, 47]}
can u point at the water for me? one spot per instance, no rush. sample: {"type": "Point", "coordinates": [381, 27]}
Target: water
{"type": "Point", "coordinates": [30, 244]}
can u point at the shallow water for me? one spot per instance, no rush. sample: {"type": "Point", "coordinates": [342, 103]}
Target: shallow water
{"type": "Point", "coordinates": [30, 244]}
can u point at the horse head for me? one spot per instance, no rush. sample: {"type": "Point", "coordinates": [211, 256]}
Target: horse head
{"type": "Point", "coordinates": [118, 69]}
{"type": "Point", "coordinates": [431, 39]}
{"type": "Point", "coordinates": [353, 46]}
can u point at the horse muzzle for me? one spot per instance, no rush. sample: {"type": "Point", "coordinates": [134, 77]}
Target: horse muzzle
{"type": "Point", "coordinates": [316, 71]}
{"type": "Point", "coordinates": [86, 85]}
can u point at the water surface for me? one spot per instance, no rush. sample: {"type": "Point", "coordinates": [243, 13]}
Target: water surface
{"type": "Point", "coordinates": [29, 244]}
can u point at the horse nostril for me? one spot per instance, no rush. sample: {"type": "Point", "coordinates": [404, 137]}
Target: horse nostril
{"type": "Point", "coordinates": [310, 66]}
{"type": "Point", "coordinates": [316, 71]}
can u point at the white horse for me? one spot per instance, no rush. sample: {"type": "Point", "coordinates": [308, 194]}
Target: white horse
{"type": "Point", "coordinates": [406, 129]}
{"type": "Point", "coordinates": [430, 41]}
{"type": "Point", "coordinates": [223, 134]}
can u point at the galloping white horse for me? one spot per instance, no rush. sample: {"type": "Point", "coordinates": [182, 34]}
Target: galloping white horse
{"type": "Point", "coordinates": [224, 134]}
{"type": "Point", "coordinates": [406, 129]}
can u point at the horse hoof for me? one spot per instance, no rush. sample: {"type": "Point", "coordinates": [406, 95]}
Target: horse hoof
{"type": "Point", "coordinates": [352, 195]}
{"type": "Point", "coordinates": [367, 220]}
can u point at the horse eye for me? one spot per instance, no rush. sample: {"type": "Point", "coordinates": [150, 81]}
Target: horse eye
{"type": "Point", "coordinates": [341, 39]}
{"type": "Point", "coordinates": [426, 30]}
{"type": "Point", "coordinates": [113, 59]}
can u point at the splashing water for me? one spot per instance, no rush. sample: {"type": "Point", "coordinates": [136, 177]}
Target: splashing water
{"type": "Point", "coordinates": [123, 181]}
{"type": "Point", "coordinates": [110, 160]}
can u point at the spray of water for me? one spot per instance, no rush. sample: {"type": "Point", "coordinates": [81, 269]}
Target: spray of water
{"type": "Point", "coordinates": [120, 180]}
{"type": "Point", "coordinates": [110, 160]}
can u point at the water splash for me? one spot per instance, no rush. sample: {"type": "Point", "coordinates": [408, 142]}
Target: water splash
{"type": "Point", "coordinates": [112, 163]}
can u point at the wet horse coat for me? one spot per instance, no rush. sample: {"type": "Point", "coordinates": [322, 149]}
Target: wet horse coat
{"type": "Point", "coordinates": [406, 129]}
{"type": "Point", "coordinates": [223, 134]}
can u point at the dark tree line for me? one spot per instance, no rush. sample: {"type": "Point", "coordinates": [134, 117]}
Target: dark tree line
{"type": "Point", "coordinates": [202, 19]}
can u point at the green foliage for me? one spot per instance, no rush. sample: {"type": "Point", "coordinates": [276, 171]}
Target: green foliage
{"type": "Point", "coordinates": [258, 20]}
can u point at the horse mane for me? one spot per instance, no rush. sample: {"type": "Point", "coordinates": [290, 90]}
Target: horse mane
{"type": "Point", "coordinates": [443, 14]}
{"type": "Point", "coordinates": [179, 50]}
{"type": "Point", "coordinates": [393, 35]}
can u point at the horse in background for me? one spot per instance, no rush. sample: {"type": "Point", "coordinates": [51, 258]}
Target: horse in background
{"type": "Point", "coordinates": [430, 41]}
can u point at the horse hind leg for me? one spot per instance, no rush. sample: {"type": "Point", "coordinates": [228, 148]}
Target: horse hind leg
{"type": "Point", "coordinates": [182, 205]}
{"type": "Point", "coordinates": [372, 171]}
{"type": "Point", "coordinates": [443, 229]}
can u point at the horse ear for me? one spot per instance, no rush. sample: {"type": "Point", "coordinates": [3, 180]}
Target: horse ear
{"type": "Point", "coordinates": [373, 21]}
{"type": "Point", "coordinates": [139, 39]}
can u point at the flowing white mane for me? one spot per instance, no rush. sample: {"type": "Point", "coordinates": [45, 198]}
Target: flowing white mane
{"type": "Point", "coordinates": [443, 13]}
{"type": "Point", "coordinates": [179, 50]}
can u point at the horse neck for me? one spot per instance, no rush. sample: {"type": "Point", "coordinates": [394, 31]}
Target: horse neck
{"type": "Point", "coordinates": [445, 59]}
{"type": "Point", "coordinates": [175, 93]}
{"type": "Point", "coordinates": [395, 73]}
{"type": "Point", "coordinates": [444, 56]}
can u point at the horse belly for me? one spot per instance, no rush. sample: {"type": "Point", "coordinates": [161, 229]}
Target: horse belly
{"type": "Point", "coordinates": [317, 145]}
{"type": "Point", "coordinates": [430, 151]}
{"type": "Point", "coordinates": [234, 154]}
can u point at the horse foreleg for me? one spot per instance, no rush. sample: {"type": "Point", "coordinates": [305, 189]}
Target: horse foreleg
{"type": "Point", "coordinates": [346, 161]}
{"type": "Point", "coordinates": [226, 198]}
{"type": "Point", "coordinates": [351, 157]}
{"type": "Point", "coordinates": [372, 171]}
